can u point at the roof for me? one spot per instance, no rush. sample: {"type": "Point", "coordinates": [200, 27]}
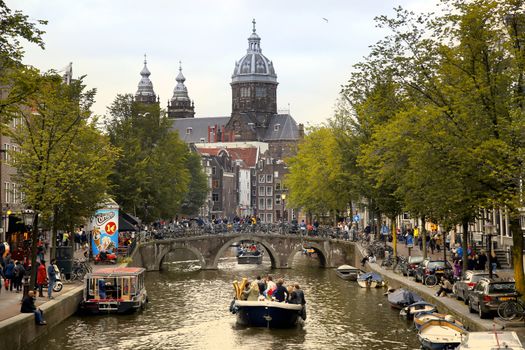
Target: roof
{"type": "Point", "coordinates": [247, 154]}
{"type": "Point", "coordinates": [199, 127]}
{"type": "Point", "coordinates": [117, 271]}
{"type": "Point", "coordinates": [282, 127]}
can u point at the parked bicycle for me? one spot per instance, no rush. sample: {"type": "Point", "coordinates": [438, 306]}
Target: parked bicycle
{"type": "Point", "coordinates": [512, 310]}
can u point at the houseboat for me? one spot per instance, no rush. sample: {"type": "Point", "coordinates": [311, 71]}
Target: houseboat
{"type": "Point", "coordinates": [114, 290]}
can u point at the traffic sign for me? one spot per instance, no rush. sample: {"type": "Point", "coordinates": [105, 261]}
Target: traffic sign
{"type": "Point", "coordinates": [357, 218]}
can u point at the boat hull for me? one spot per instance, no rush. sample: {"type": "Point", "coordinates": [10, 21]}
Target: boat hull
{"type": "Point", "coordinates": [111, 307]}
{"type": "Point", "coordinates": [250, 259]}
{"type": "Point", "coordinates": [267, 314]}
{"type": "Point", "coordinates": [348, 276]}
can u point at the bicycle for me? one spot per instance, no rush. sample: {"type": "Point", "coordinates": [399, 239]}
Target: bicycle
{"type": "Point", "coordinates": [400, 265]}
{"type": "Point", "coordinates": [511, 310]}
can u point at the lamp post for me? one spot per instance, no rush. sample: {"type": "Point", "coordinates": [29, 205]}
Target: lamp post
{"type": "Point", "coordinates": [283, 198]}
{"type": "Point", "coordinates": [489, 231]}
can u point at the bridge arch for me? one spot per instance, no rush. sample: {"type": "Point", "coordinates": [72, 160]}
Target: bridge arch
{"type": "Point", "coordinates": [184, 246]}
{"type": "Point", "coordinates": [274, 256]}
{"type": "Point", "coordinates": [319, 249]}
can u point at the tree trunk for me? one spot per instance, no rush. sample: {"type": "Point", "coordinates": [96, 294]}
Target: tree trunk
{"type": "Point", "coordinates": [394, 235]}
{"type": "Point", "coordinates": [464, 246]}
{"type": "Point", "coordinates": [34, 245]}
{"type": "Point", "coordinates": [53, 242]}
{"type": "Point", "coordinates": [517, 250]}
{"type": "Point", "coordinates": [424, 237]}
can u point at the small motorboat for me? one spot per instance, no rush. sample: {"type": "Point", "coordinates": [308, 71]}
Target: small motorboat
{"type": "Point", "coordinates": [348, 272]}
{"type": "Point", "coordinates": [250, 257]}
{"type": "Point", "coordinates": [423, 317]}
{"type": "Point", "coordinates": [400, 298]}
{"type": "Point", "coordinates": [418, 307]}
{"type": "Point", "coordinates": [441, 335]}
{"type": "Point", "coordinates": [490, 341]}
{"type": "Point", "coordinates": [370, 280]}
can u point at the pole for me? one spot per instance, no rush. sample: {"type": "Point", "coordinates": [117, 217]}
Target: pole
{"type": "Point", "coordinates": [34, 244]}
{"type": "Point", "coordinates": [489, 252]}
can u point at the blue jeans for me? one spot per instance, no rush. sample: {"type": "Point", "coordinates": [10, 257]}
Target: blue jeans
{"type": "Point", "coordinates": [50, 286]}
{"type": "Point", "coordinates": [494, 265]}
{"type": "Point", "coordinates": [39, 315]}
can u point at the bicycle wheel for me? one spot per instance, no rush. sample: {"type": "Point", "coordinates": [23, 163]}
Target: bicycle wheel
{"type": "Point", "coordinates": [511, 310]}
{"type": "Point", "coordinates": [431, 280]}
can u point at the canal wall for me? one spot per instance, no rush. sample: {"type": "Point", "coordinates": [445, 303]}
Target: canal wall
{"type": "Point", "coordinates": [446, 305]}
{"type": "Point", "coordinates": [19, 331]}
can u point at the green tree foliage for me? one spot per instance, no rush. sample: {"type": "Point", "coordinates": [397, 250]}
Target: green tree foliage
{"type": "Point", "coordinates": [198, 188]}
{"type": "Point", "coordinates": [153, 177]}
{"type": "Point", "coordinates": [62, 159]}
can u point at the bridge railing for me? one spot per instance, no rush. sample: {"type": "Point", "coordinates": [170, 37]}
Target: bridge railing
{"type": "Point", "coordinates": [195, 230]}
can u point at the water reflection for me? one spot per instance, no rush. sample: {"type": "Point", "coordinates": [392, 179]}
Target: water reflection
{"type": "Point", "coordinates": [189, 310]}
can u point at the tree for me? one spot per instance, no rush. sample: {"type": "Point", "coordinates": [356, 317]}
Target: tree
{"type": "Point", "coordinates": [198, 187]}
{"type": "Point", "coordinates": [57, 163]}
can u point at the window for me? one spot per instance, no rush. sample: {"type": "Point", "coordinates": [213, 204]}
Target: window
{"type": "Point", "coordinates": [215, 184]}
{"type": "Point", "coordinates": [215, 197]}
{"type": "Point", "coordinates": [261, 203]}
{"type": "Point", "coordinates": [188, 131]}
{"type": "Point", "coordinates": [269, 203]}
{"type": "Point", "coordinates": [276, 127]}
{"type": "Point", "coordinates": [202, 139]}
{"type": "Point", "coordinates": [253, 172]}
{"type": "Point", "coordinates": [261, 178]}
{"type": "Point", "coordinates": [277, 199]}
{"type": "Point", "coordinates": [213, 170]}
{"type": "Point", "coordinates": [278, 185]}
{"type": "Point", "coordinates": [260, 92]}
{"type": "Point", "coordinates": [276, 174]}
{"type": "Point", "coordinates": [261, 190]}
{"type": "Point", "coordinates": [245, 92]}
{"type": "Point", "coordinates": [269, 217]}
{"type": "Point", "coordinates": [15, 195]}
{"type": "Point", "coordinates": [6, 189]}
{"type": "Point", "coordinates": [269, 191]}
{"type": "Point", "coordinates": [254, 192]}
{"type": "Point", "coordinates": [269, 178]}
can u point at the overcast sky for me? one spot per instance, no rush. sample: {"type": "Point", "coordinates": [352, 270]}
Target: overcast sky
{"type": "Point", "coordinates": [313, 45]}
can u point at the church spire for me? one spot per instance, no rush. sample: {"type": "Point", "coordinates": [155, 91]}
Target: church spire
{"type": "Point", "coordinates": [145, 93]}
{"type": "Point", "coordinates": [180, 105]}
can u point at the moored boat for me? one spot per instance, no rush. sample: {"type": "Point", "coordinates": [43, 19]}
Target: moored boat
{"type": "Point", "coordinates": [490, 341]}
{"type": "Point", "coordinates": [440, 335]}
{"type": "Point", "coordinates": [114, 290]}
{"type": "Point", "coordinates": [370, 280]}
{"type": "Point", "coordinates": [347, 272]}
{"type": "Point", "coordinates": [400, 298]}
{"type": "Point", "coordinates": [417, 307]}
{"type": "Point", "coordinates": [423, 317]}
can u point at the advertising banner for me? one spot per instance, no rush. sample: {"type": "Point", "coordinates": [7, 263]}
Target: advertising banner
{"type": "Point", "coordinates": [105, 231]}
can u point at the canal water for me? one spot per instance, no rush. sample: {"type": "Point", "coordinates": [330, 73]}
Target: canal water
{"type": "Point", "coordinates": [189, 309]}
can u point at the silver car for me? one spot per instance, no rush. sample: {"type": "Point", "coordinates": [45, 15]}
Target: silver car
{"type": "Point", "coordinates": [462, 287]}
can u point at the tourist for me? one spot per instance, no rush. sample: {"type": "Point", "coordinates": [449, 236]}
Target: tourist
{"type": "Point", "coordinates": [280, 294]}
{"type": "Point", "coordinates": [445, 287]}
{"type": "Point", "coordinates": [1, 276]}
{"type": "Point", "coordinates": [9, 275]}
{"type": "Point", "coordinates": [102, 288]}
{"type": "Point", "coordinates": [261, 284]}
{"type": "Point", "coordinates": [471, 262]}
{"type": "Point", "coordinates": [28, 306]}
{"type": "Point", "coordinates": [482, 261]}
{"type": "Point", "coordinates": [41, 277]}
{"type": "Point", "coordinates": [18, 275]}
{"type": "Point", "coordinates": [251, 293]}
{"type": "Point", "coordinates": [270, 287]}
{"type": "Point", "coordinates": [300, 294]}
{"type": "Point", "coordinates": [493, 261]}
{"type": "Point", "coordinates": [457, 268]}
{"type": "Point", "coordinates": [52, 278]}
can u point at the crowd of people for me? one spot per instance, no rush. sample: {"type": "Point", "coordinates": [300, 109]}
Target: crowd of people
{"type": "Point", "coordinates": [267, 289]}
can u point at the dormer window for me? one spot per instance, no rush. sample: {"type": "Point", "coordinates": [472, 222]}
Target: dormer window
{"type": "Point", "coordinates": [202, 139]}
{"type": "Point", "coordinates": [276, 127]}
{"type": "Point", "coordinates": [188, 131]}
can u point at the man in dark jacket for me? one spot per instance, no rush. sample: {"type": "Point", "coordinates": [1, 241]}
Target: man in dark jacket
{"type": "Point", "coordinates": [280, 294]}
{"type": "Point", "coordinates": [28, 306]}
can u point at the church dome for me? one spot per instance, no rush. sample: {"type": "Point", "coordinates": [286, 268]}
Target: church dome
{"type": "Point", "coordinates": [180, 92]}
{"type": "Point", "coordinates": [254, 66]}
{"type": "Point", "coordinates": [145, 87]}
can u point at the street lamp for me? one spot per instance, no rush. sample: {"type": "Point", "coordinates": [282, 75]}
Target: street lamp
{"type": "Point", "coordinates": [283, 198]}
{"type": "Point", "coordinates": [489, 231]}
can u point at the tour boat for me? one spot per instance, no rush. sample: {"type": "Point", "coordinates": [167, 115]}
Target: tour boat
{"type": "Point", "coordinates": [267, 313]}
{"type": "Point", "coordinates": [417, 307]}
{"type": "Point", "coordinates": [250, 257]}
{"type": "Point", "coordinates": [440, 335]}
{"type": "Point", "coordinates": [370, 280]}
{"type": "Point", "coordinates": [400, 298]}
{"type": "Point", "coordinates": [114, 290]}
{"type": "Point", "coordinates": [423, 317]}
{"type": "Point", "coordinates": [348, 272]}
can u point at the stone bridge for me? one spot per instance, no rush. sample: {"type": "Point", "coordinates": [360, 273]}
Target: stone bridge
{"type": "Point", "coordinates": [210, 248]}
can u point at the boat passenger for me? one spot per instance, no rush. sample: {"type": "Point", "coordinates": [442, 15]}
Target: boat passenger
{"type": "Point", "coordinates": [270, 287]}
{"type": "Point", "coordinates": [262, 285]}
{"type": "Point", "coordinates": [102, 288]}
{"type": "Point", "coordinates": [300, 294]}
{"type": "Point", "coordinates": [251, 293]}
{"type": "Point", "coordinates": [280, 294]}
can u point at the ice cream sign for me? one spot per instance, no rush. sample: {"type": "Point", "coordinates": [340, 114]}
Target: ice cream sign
{"type": "Point", "coordinates": [105, 231]}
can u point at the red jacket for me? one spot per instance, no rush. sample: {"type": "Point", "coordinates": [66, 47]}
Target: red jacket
{"type": "Point", "coordinates": [41, 274]}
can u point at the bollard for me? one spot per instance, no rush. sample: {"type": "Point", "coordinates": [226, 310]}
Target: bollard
{"type": "Point", "coordinates": [25, 286]}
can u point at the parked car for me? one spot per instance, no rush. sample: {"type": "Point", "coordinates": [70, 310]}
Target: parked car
{"type": "Point", "coordinates": [488, 294]}
{"type": "Point", "coordinates": [430, 267]}
{"type": "Point", "coordinates": [462, 287]}
{"type": "Point", "coordinates": [412, 264]}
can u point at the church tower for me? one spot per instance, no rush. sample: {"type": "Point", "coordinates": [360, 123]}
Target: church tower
{"type": "Point", "coordinates": [145, 93]}
{"type": "Point", "coordinates": [254, 92]}
{"type": "Point", "coordinates": [180, 105]}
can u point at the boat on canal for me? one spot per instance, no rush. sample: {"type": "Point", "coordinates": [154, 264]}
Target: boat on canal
{"type": "Point", "coordinates": [417, 307]}
{"type": "Point", "coordinates": [401, 298]}
{"type": "Point", "coordinates": [114, 290]}
{"type": "Point", "coordinates": [370, 280]}
{"type": "Point", "coordinates": [348, 272]}
{"type": "Point", "coordinates": [490, 341]}
{"type": "Point", "coordinates": [423, 317]}
{"type": "Point", "coordinates": [441, 335]}
{"type": "Point", "coordinates": [250, 254]}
